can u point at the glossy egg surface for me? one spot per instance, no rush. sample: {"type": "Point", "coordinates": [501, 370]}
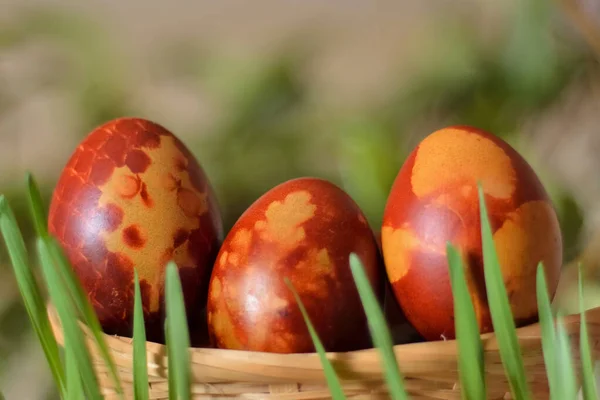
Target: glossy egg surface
{"type": "Point", "coordinates": [434, 200]}
{"type": "Point", "coordinates": [303, 229]}
{"type": "Point", "coordinates": [132, 195]}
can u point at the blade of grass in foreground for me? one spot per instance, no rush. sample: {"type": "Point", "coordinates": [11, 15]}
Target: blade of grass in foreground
{"type": "Point", "coordinates": [170, 365]}
{"type": "Point", "coordinates": [590, 390]}
{"type": "Point", "coordinates": [502, 318]}
{"type": "Point", "coordinates": [178, 340]}
{"type": "Point", "coordinates": [564, 362]}
{"type": "Point", "coordinates": [30, 292]}
{"type": "Point", "coordinates": [70, 324]}
{"type": "Point", "coordinates": [140, 359]}
{"type": "Point", "coordinates": [379, 330]}
{"type": "Point", "coordinates": [470, 348]}
{"type": "Point", "coordinates": [548, 332]}
{"type": "Point", "coordinates": [66, 271]}
{"type": "Point", "coordinates": [83, 306]}
{"type": "Point", "coordinates": [36, 206]}
{"type": "Point", "coordinates": [74, 388]}
{"type": "Point", "coordinates": [332, 379]}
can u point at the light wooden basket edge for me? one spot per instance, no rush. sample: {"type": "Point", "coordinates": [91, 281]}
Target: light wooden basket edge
{"type": "Point", "coordinates": [429, 368]}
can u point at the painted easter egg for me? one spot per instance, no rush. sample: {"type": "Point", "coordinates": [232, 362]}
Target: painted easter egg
{"type": "Point", "coordinates": [434, 200]}
{"type": "Point", "coordinates": [304, 230]}
{"type": "Point", "coordinates": [132, 196]}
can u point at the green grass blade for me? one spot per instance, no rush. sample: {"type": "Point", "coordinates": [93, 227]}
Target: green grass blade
{"type": "Point", "coordinates": [66, 271]}
{"type": "Point", "coordinates": [74, 388]}
{"type": "Point", "coordinates": [502, 318]}
{"type": "Point", "coordinates": [178, 340]}
{"type": "Point", "coordinates": [140, 359]}
{"type": "Point", "coordinates": [171, 365]}
{"type": "Point", "coordinates": [548, 332]}
{"type": "Point", "coordinates": [68, 316]}
{"type": "Point", "coordinates": [590, 390]}
{"type": "Point", "coordinates": [470, 349]}
{"type": "Point", "coordinates": [83, 306]}
{"type": "Point", "coordinates": [30, 292]}
{"type": "Point", "coordinates": [564, 362]}
{"type": "Point", "coordinates": [379, 330]}
{"type": "Point", "coordinates": [36, 206]}
{"type": "Point", "coordinates": [332, 379]}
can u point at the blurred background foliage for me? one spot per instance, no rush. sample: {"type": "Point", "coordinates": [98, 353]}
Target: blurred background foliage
{"type": "Point", "coordinates": [267, 124]}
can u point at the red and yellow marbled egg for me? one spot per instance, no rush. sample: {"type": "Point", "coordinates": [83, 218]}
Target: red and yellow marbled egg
{"type": "Point", "coordinates": [133, 196]}
{"type": "Point", "coordinates": [434, 200]}
{"type": "Point", "coordinates": [303, 229]}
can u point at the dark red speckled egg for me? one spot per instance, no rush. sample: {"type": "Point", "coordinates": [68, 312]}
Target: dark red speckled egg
{"type": "Point", "coordinates": [434, 200]}
{"type": "Point", "coordinates": [133, 196]}
{"type": "Point", "coordinates": [303, 229]}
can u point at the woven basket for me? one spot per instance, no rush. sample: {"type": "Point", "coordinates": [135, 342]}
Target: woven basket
{"type": "Point", "coordinates": [429, 368]}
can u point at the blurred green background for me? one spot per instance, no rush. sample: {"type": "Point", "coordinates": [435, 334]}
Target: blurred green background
{"type": "Point", "coordinates": [266, 91]}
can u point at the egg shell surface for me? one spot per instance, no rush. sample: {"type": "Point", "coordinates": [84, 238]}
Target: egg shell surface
{"type": "Point", "coordinates": [133, 196]}
{"type": "Point", "coordinates": [304, 229]}
{"type": "Point", "coordinates": [434, 200]}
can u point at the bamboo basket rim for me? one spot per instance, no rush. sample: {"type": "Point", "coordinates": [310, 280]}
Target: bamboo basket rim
{"type": "Point", "coordinates": [424, 365]}
{"type": "Point", "coordinates": [532, 331]}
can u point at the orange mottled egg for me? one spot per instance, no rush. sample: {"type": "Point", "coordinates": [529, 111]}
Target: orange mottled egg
{"type": "Point", "coordinates": [434, 200]}
{"type": "Point", "coordinates": [303, 229]}
{"type": "Point", "coordinates": [132, 196]}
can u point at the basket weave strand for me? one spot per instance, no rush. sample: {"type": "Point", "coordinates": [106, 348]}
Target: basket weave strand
{"type": "Point", "coordinates": [429, 368]}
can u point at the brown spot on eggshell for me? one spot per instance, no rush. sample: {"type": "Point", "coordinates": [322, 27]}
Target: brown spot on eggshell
{"type": "Point", "coordinates": [146, 199]}
{"type": "Point", "coordinates": [138, 161]}
{"type": "Point", "coordinates": [133, 237]}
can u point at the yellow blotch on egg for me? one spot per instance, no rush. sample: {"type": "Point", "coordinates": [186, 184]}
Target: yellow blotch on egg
{"type": "Point", "coordinates": [283, 220]}
{"type": "Point", "coordinates": [440, 162]}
